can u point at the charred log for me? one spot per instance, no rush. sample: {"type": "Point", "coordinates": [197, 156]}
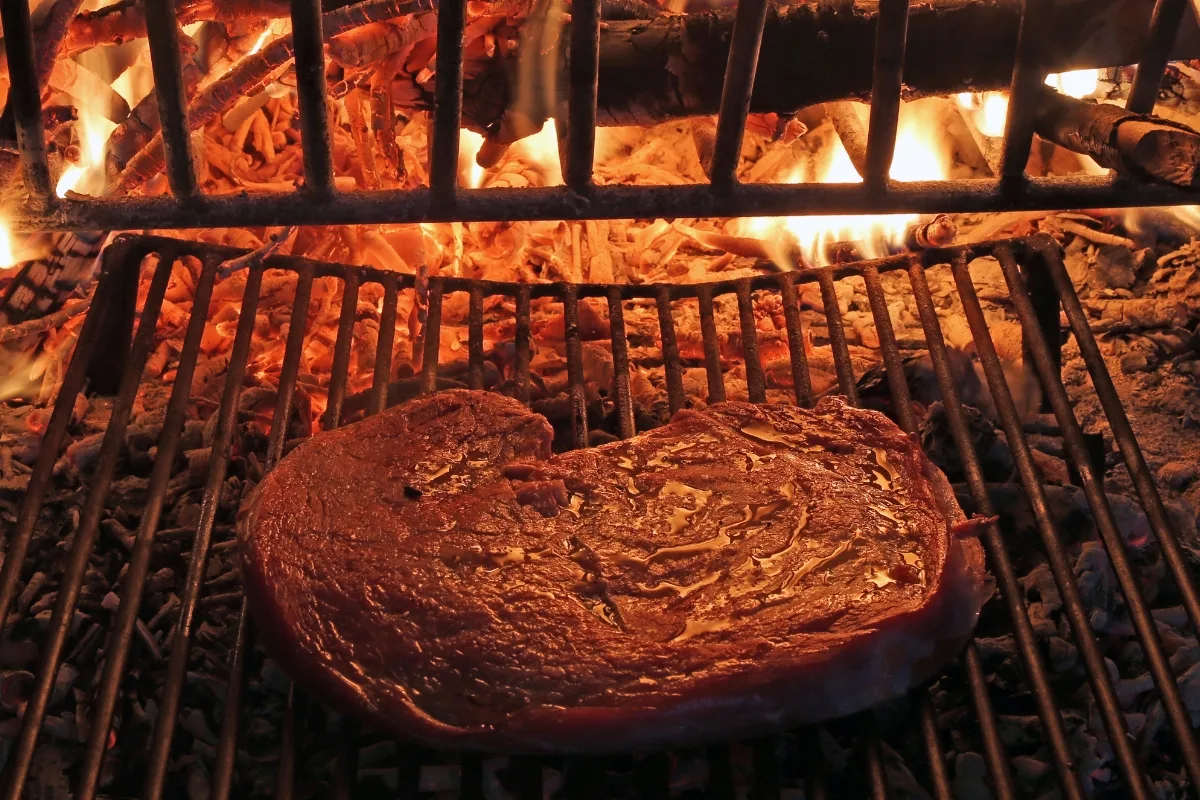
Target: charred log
{"type": "Point", "coordinates": [1147, 147]}
{"type": "Point", "coordinates": [673, 65]}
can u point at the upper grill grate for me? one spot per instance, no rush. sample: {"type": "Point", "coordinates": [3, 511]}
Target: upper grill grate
{"type": "Point", "coordinates": [318, 201]}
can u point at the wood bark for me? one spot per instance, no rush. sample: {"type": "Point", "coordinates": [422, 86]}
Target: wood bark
{"type": "Point", "coordinates": [1147, 147]}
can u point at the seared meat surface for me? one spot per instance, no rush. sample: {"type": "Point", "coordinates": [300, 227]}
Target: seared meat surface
{"type": "Point", "coordinates": [738, 571]}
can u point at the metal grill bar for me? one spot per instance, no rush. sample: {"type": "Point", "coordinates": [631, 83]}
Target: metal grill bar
{"type": "Point", "coordinates": [521, 343]}
{"type": "Point", "coordinates": [226, 758]}
{"type": "Point", "coordinates": [85, 535]}
{"type": "Point", "coordinates": [1023, 96]}
{"type": "Point", "coordinates": [164, 728]}
{"type": "Point", "coordinates": [801, 380]}
{"type": "Point", "coordinates": [1093, 489]}
{"type": "Point", "coordinates": [576, 393]}
{"type": "Point", "coordinates": [756, 383]}
{"type": "Point", "coordinates": [432, 336]}
{"type": "Point", "coordinates": [748, 27]}
{"type": "Point", "coordinates": [890, 36]}
{"type": "Point", "coordinates": [578, 200]}
{"type": "Point", "coordinates": [475, 339]}
{"type": "Point", "coordinates": [720, 772]}
{"type": "Point", "coordinates": [341, 353]}
{"type": "Point", "coordinates": [1139, 472]}
{"type": "Point", "coordinates": [929, 732]}
{"type": "Point", "coordinates": [1060, 565]}
{"type": "Point", "coordinates": [652, 774]}
{"type": "Point", "coordinates": [603, 202]}
{"type": "Point", "coordinates": [285, 770]}
{"type": "Point", "coordinates": [162, 27]}
{"type": "Point", "coordinates": [876, 779]}
{"type": "Point", "coordinates": [447, 111]}
{"type": "Point", "coordinates": [585, 75]}
{"type": "Point", "coordinates": [894, 370]}
{"type": "Point", "coordinates": [997, 553]}
{"type": "Point", "coordinates": [383, 347]}
{"type": "Point", "coordinates": [670, 348]}
{"type": "Point", "coordinates": [52, 441]}
{"type": "Point", "coordinates": [472, 778]}
{"type": "Point", "coordinates": [620, 354]}
{"type": "Point", "coordinates": [25, 98]}
{"type": "Point", "coordinates": [993, 748]}
{"type": "Point", "coordinates": [837, 337]}
{"type": "Point", "coordinates": [712, 348]}
{"type": "Point", "coordinates": [297, 328]}
{"type": "Point", "coordinates": [309, 44]}
{"type": "Point", "coordinates": [1164, 27]}
{"type": "Point", "coordinates": [116, 651]}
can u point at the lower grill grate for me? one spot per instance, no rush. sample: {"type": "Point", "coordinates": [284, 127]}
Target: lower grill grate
{"type": "Point", "coordinates": [1037, 280]}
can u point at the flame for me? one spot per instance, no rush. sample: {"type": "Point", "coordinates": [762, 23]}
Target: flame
{"type": "Point", "coordinates": [917, 157]}
{"type": "Point", "coordinates": [470, 173]}
{"type": "Point", "coordinates": [542, 150]}
{"type": "Point", "coordinates": [88, 175]}
{"type": "Point", "coordinates": [8, 258]}
{"type": "Point", "coordinates": [989, 110]}
{"type": "Point", "coordinates": [1078, 83]}
{"type": "Point", "coordinates": [262, 39]}
{"type": "Point", "coordinates": [134, 84]}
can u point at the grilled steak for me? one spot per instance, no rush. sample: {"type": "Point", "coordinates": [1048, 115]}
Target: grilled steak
{"type": "Point", "coordinates": [738, 571]}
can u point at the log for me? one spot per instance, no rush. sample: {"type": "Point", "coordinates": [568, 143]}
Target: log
{"type": "Point", "coordinates": [125, 20]}
{"type": "Point", "coordinates": [673, 65]}
{"type": "Point", "coordinates": [1146, 147]}
{"type": "Point", "coordinates": [850, 129]}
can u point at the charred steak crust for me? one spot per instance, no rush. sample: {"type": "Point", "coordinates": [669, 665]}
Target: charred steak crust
{"type": "Point", "coordinates": [741, 570]}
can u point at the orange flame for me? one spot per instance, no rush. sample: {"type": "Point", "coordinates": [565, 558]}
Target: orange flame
{"type": "Point", "coordinates": [87, 176]}
{"type": "Point", "coordinates": [542, 149]}
{"type": "Point", "coordinates": [470, 173]}
{"type": "Point", "coordinates": [8, 258]}
{"type": "Point", "coordinates": [989, 110]}
{"type": "Point", "coordinates": [917, 157]}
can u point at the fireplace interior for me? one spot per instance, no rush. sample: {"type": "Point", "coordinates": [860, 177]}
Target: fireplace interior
{"type": "Point", "coordinates": [233, 225]}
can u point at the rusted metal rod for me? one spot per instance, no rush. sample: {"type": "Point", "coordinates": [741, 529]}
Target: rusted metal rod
{"type": "Point", "coordinates": [604, 202]}
{"type": "Point", "coordinates": [163, 29]}
{"type": "Point", "coordinates": [25, 101]}
{"type": "Point", "coordinates": [735, 93]}
{"type": "Point", "coordinates": [447, 112]}
{"type": "Point", "coordinates": [1164, 27]}
{"type": "Point", "coordinates": [314, 99]}
{"type": "Point", "coordinates": [890, 38]}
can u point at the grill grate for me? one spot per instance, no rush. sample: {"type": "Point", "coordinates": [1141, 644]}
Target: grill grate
{"type": "Point", "coordinates": [317, 202]}
{"type": "Point", "coordinates": [1033, 261]}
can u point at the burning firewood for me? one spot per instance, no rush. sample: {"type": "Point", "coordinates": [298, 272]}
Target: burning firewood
{"type": "Point", "coordinates": [1149, 147]}
{"type": "Point", "coordinates": [125, 20]}
{"type": "Point", "coordinates": [673, 65]}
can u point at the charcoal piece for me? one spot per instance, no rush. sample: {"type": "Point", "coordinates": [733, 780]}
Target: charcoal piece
{"type": "Point", "coordinates": [990, 445]}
